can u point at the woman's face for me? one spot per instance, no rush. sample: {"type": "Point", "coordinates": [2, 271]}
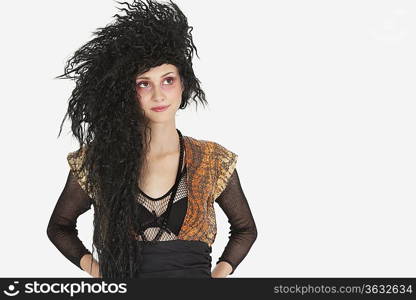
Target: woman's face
{"type": "Point", "coordinates": [160, 86]}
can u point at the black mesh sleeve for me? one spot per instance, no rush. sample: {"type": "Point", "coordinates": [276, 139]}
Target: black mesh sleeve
{"type": "Point", "coordinates": [243, 231]}
{"type": "Point", "coordinates": [61, 229]}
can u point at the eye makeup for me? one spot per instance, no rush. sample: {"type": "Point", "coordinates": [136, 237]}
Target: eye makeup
{"type": "Point", "coordinates": [171, 78]}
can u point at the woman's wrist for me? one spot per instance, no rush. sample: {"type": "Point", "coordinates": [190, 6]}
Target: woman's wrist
{"type": "Point", "coordinates": [92, 269]}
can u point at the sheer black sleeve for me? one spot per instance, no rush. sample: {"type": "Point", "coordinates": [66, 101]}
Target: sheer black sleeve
{"type": "Point", "coordinates": [61, 229]}
{"type": "Point", "coordinates": [243, 231]}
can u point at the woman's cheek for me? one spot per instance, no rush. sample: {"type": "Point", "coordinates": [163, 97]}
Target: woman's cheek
{"type": "Point", "coordinates": [173, 90]}
{"type": "Point", "coordinates": [142, 95]}
{"type": "Point", "coordinates": [142, 99]}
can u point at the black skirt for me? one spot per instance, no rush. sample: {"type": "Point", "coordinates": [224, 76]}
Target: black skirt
{"type": "Point", "coordinates": [175, 259]}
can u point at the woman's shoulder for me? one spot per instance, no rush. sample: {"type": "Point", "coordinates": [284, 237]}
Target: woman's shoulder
{"type": "Point", "coordinates": [219, 151]}
{"type": "Point", "coordinates": [210, 144]}
{"type": "Point", "coordinates": [225, 162]}
{"type": "Point", "coordinates": [76, 159]}
{"type": "Point", "coordinates": [77, 156]}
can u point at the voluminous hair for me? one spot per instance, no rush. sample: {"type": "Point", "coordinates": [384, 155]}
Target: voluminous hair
{"type": "Point", "coordinates": [110, 125]}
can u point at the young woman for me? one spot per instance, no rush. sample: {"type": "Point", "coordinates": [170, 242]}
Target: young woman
{"type": "Point", "coordinates": [153, 189]}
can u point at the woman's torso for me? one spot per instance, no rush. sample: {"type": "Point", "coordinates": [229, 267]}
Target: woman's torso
{"type": "Point", "coordinates": [168, 256]}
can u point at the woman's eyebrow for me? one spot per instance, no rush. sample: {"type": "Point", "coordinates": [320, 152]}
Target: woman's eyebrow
{"type": "Point", "coordinates": [149, 78]}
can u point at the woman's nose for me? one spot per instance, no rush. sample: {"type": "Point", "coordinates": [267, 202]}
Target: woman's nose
{"type": "Point", "coordinates": [157, 94]}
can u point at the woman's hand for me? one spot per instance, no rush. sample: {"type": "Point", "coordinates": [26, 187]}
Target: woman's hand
{"type": "Point", "coordinates": [221, 270]}
{"type": "Point", "coordinates": [93, 270]}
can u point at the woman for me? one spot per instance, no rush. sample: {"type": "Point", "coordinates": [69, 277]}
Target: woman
{"type": "Point", "coordinates": [152, 188]}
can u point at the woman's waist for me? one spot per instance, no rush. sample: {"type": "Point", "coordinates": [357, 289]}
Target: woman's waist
{"type": "Point", "coordinates": [175, 255]}
{"type": "Point", "coordinates": [175, 246]}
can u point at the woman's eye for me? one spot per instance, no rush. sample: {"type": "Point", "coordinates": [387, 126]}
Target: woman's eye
{"type": "Point", "coordinates": [144, 84]}
{"type": "Point", "coordinates": [171, 79]}
{"type": "Point", "coordinates": [139, 84]}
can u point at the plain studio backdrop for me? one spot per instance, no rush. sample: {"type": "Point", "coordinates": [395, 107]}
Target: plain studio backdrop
{"type": "Point", "coordinates": [316, 97]}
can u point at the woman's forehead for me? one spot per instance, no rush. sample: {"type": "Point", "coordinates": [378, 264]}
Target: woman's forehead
{"type": "Point", "coordinates": [159, 71]}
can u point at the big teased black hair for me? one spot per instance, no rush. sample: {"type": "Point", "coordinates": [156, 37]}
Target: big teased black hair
{"type": "Point", "coordinates": [109, 123]}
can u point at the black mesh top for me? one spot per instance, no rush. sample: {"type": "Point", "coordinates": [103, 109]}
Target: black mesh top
{"type": "Point", "coordinates": [74, 201]}
{"type": "Point", "coordinates": [154, 208]}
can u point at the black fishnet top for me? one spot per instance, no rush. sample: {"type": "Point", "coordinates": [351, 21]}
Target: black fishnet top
{"type": "Point", "coordinates": [74, 201]}
{"type": "Point", "coordinates": [154, 208]}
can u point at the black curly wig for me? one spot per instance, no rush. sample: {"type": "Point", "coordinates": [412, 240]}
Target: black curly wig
{"type": "Point", "coordinates": [110, 125]}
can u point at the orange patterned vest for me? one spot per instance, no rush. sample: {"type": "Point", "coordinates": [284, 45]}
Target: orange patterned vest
{"type": "Point", "coordinates": [209, 166]}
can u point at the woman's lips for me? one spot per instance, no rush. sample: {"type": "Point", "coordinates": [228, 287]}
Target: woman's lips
{"type": "Point", "coordinates": [160, 108]}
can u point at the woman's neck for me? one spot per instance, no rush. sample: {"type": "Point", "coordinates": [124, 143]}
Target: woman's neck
{"type": "Point", "coordinates": [164, 141]}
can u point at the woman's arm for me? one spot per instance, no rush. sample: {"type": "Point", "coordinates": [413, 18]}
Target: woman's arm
{"type": "Point", "coordinates": [243, 231]}
{"type": "Point", "coordinates": [61, 229]}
